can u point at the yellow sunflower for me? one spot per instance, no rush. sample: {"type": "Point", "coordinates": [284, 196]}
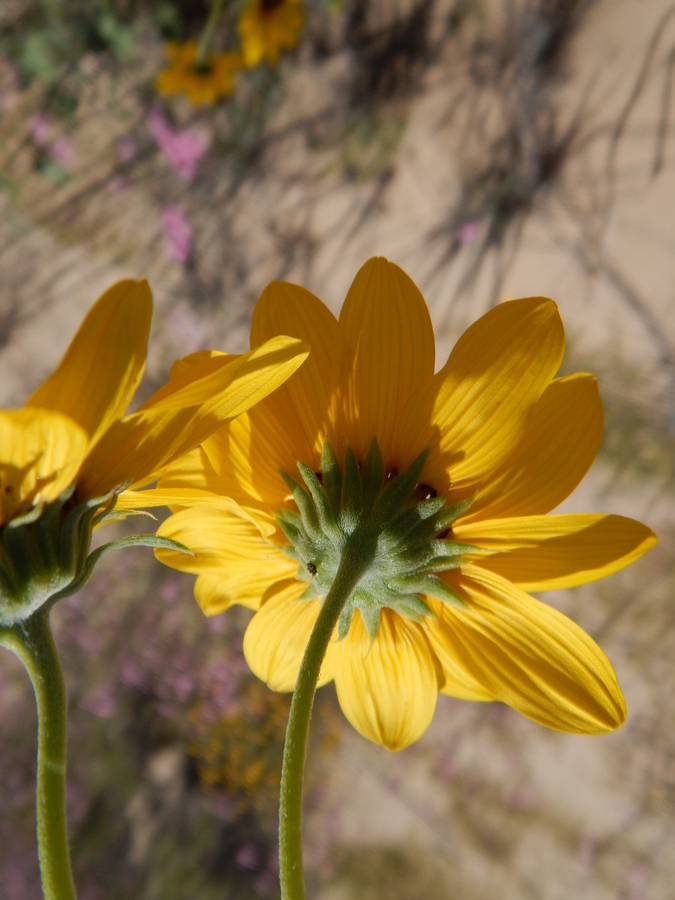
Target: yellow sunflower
{"type": "Point", "coordinates": [456, 472]}
{"type": "Point", "coordinates": [267, 27]}
{"type": "Point", "coordinates": [203, 85]}
{"type": "Point", "coordinates": [71, 449]}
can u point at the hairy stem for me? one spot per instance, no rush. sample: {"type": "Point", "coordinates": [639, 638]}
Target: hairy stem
{"type": "Point", "coordinates": [33, 643]}
{"type": "Point", "coordinates": [291, 874]}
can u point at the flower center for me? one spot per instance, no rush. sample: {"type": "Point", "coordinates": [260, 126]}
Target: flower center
{"type": "Point", "coordinates": [394, 526]}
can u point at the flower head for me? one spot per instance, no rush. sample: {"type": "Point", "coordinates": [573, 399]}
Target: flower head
{"type": "Point", "coordinates": [267, 27]}
{"type": "Point", "coordinates": [66, 456]}
{"type": "Point", "coordinates": [203, 85]}
{"type": "Point", "coordinates": [444, 480]}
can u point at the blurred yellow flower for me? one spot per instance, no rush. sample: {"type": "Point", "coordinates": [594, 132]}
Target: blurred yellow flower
{"type": "Point", "coordinates": [203, 85]}
{"type": "Point", "coordinates": [66, 454]}
{"type": "Point", "coordinates": [267, 27]}
{"type": "Point", "coordinates": [506, 443]}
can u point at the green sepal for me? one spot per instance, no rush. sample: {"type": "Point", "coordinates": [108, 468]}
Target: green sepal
{"type": "Point", "coordinates": [303, 501]}
{"type": "Point", "coordinates": [345, 620]}
{"type": "Point", "coordinates": [432, 587]}
{"type": "Point", "coordinates": [412, 607]}
{"type": "Point", "coordinates": [311, 592]}
{"type": "Point", "coordinates": [398, 490]}
{"type": "Point", "coordinates": [370, 612]}
{"type": "Point", "coordinates": [352, 495]}
{"type": "Point", "coordinates": [332, 477]}
{"type": "Point", "coordinates": [321, 504]}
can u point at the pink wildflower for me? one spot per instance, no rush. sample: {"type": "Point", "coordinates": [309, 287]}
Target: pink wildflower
{"type": "Point", "coordinates": [182, 149]}
{"type": "Point", "coordinates": [39, 127]}
{"type": "Point", "coordinates": [177, 232]}
{"type": "Point", "coordinates": [468, 232]}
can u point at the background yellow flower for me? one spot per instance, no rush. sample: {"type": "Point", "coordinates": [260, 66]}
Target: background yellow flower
{"type": "Point", "coordinates": [203, 85]}
{"type": "Point", "coordinates": [267, 27]}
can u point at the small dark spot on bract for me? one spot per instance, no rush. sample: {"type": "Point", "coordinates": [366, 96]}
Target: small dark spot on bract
{"type": "Point", "coordinates": [392, 473]}
{"type": "Point", "coordinates": [311, 568]}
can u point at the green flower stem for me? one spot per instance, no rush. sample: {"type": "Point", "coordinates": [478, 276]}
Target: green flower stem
{"type": "Point", "coordinates": [33, 643]}
{"type": "Point", "coordinates": [352, 565]}
{"type": "Point", "coordinates": [208, 32]}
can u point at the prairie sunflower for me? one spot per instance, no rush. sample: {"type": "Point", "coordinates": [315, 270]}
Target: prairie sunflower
{"type": "Point", "coordinates": [203, 85]}
{"type": "Point", "coordinates": [481, 451]}
{"type": "Point", "coordinates": [66, 455]}
{"type": "Point", "coordinates": [267, 27]}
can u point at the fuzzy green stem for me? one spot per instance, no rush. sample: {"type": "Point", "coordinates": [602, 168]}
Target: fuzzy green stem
{"type": "Point", "coordinates": [207, 33]}
{"type": "Point", "coordinates": [351, 568]}
{"type": "Point", "coordinates": [33, 643]}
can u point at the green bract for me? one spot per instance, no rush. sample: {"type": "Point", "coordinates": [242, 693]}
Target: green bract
{"type": "Point", "coordinates": [397, 525]}
{"type": "Point", "coordinates": [44, 554]}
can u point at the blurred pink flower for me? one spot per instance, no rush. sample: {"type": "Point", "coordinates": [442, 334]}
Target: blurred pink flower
{"type": "Point", "coordinates": [468, 232]}
{"type": "Point", "coordinates": [39, 127]}
{"type": "Point", "coordinates": [127, 149]}
{"type": "Point", "coordinates": [183, 149]}
{"type": "Point", "coordinates": [61, 151]}
{"type": "Point", "coordinates": [177, 232]}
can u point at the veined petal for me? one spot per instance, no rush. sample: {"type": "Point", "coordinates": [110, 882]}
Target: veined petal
{"type": "Point", "coordinates": [545, 553]}
{"type": "Point", "coordinates": [561, 439]}
{"type": "Point", "coordinates": [249, 454]}
{"type": "Point", "coordinates": [530, 656]}
{"type": "Point", "coordinates": [190, 498]}
{"type": "Point", "coordinates": [458, 681]}
{"type": "Point", "coordinates": [475, 409]}
{"type": "Point", "coordinates": [41, 452]}
{"type": "Point", "coordinates": [386, 325]}
{"type": "Point", "coordinates": [277, 635]}
{"type": "Point", "coordinates": [174, 422]}
{"type": "Point", "coordinates": [96, 379]}
{"type": "Point", "coordinates": [388, 687]}
{"type": "Point", "coordinates": [302, 405]}
{"type": "Point", "coordinates": [230, 547]}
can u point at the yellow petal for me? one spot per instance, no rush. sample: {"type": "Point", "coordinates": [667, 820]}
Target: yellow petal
{"type": "Point", "coordinates": [96, 379]}
{"type": "Point", "coordinates": [545, 553]}
{"type": "Point", "coordinates": [301, 406]}
{"type": "Point", "coordinates": [186, 411]}
{"type": "Point", "coordinates": [530, 656]}
{"type": "Point", "coordinates": [277, 635]}
{"type": "Point", "coordinates": [458, 682]}
{"type": "Point", "coordinates": [189, 498]}
{"type": "Point", "coordinates": [561, 439]}
{"type": "Point", "coordinates": [388, 688]}
{"type": "Point", "coordinates": [41, 452]}
{"type": "Point", "coordinates": [474, 412]}
{"type": "Point", "coordinates": [386, 325]}
{"type": "Point", "coordinates": [230, 547]}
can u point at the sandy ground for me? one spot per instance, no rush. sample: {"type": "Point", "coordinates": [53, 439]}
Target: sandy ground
{"type": "Point", "coordinates": [487, 804]}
